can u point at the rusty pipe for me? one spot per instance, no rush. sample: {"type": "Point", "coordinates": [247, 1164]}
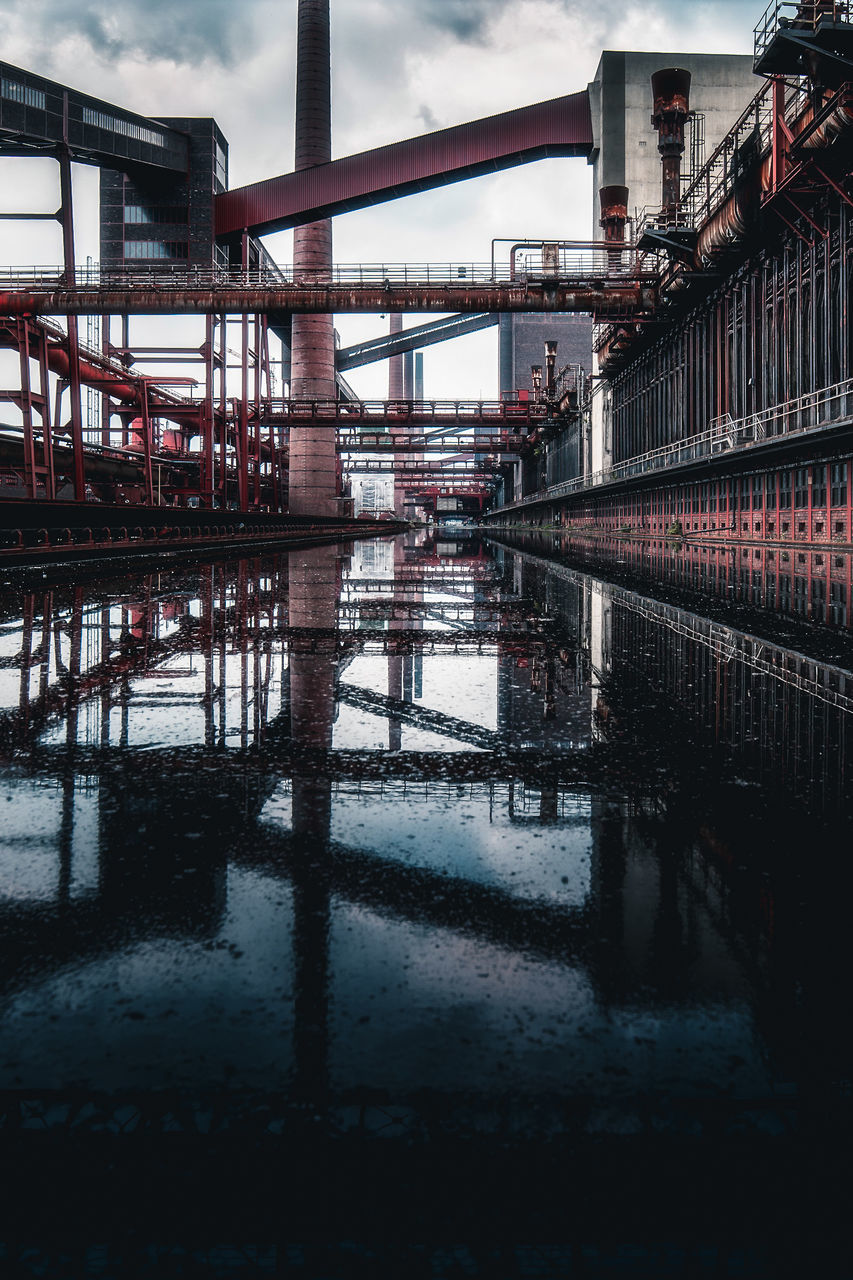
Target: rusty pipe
{"type": "Point", "coordinates": [550, 367]}
{"type": "Point", "coordinates": [671, 94]}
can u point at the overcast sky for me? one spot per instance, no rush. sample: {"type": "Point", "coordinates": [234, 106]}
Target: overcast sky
{"type": "Point", "coordinates": [400, 67]}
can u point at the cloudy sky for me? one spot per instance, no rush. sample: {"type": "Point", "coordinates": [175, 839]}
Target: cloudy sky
{"type": "Point", "coordinates": [400, 67]}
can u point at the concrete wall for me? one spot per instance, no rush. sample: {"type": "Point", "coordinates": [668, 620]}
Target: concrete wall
{"type": "Point", "coordinates": [625, 148]}
{"type": "Point", "coordinates": [523, 339]}
{"type": "Point", "coordinates": [625, 144]}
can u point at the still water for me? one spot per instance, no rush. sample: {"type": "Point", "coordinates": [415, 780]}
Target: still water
{"type": "Point", "coordinates": [475, 903]}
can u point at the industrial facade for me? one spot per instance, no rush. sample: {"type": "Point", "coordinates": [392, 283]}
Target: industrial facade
{"type": "Point", "coordinates": [718, 292]}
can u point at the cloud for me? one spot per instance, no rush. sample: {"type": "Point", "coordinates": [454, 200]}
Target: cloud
{"type": "Point", "coordinates": [176, 31]}
{"type": "Point", "coordinates": [466, 20]}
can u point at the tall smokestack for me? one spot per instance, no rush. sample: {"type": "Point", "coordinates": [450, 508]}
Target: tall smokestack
{"type": "Point", "coordinates": [313, 461]}
{"type": "Point", "coordinates": [671, 93]}
{"type": "Point", "coordinates": [395, 364]}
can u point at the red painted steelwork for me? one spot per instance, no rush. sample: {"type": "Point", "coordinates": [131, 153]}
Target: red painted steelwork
{"type": "Point", "coordinates": [559, 127]}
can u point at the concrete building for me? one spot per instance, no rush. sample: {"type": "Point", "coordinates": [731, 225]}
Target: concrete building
{"type": "Point", "coordinates": [620, 96]}
{"type": "Point", "coordinates": [522, 344]}
{"type": "Point", "coordinates": [625, 151]}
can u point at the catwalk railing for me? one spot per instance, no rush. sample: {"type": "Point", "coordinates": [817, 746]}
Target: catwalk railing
{"type": "Point", "coordinates": [802, 15]}
{"type": "Point", "coordinates": [610, 282]}
{"type": "Point", "coordinates": [586, 260]}
{"type": "Point", "coordinates": [814, 411]}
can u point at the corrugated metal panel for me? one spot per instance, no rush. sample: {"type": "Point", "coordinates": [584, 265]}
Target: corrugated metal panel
{"type": "Point", "coordinates": [561, 126]}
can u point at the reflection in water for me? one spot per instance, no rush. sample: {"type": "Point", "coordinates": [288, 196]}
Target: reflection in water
{"type": "Point", "coordinates": [483, 850]}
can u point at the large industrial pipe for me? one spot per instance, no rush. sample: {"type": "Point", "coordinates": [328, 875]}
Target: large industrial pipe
{"type": "Point", "coordinates": [671, 93]}
{"type": "Point", "coordinates": [101, 379]}
{"type": "Point", "coordinates": [614, 216]}
{"type": "Point", "coordinates": [614, 213]}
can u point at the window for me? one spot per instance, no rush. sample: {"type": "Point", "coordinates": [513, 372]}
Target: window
{"type": "Point", "coordinates": [128, 128]}
{"type": "Point", "coordinates": [745, 492]}
{"type": "Point", "coordinates": [161, 249]}
{"type": "Point", "coordinates": [819, 487]}
{"type": "Point", "coordinates": [137, 213]}
{"type": "Point", "coordinates": [839, 484]}
{"type": "Point", "coordinates": [785, 478]}
{"type": "Point", "coordinates": [801, 487]}
{"type": "Point", "coordinates": [838, 603]}
{"type": "Point", "coordinates": [757, 492]}
{"type": "Point", "coordinates": [220, 164]}
{"type": "Point", "coordinates": [23, 93]}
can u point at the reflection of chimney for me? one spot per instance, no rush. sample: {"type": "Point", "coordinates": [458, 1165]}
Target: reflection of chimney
{"type": "Point", "coordinates": [671, 93]}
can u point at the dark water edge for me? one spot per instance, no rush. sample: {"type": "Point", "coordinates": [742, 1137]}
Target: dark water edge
{"type": "Point", "coordinates": [428, 908]}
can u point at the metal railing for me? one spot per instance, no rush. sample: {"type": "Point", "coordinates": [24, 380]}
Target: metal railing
{"type": "Point", "coordinates": [812, 411]}
{"type": "Point", "coordinates": [593, 261]}
{"type": "Point", "coordinates": [817, 679]}
{"type": "Point", "coordinates": [749, 139]}
{"type": "Point", "coordinates": [388, 412]}
{"type": "Point", "coordinates": [805, 16]}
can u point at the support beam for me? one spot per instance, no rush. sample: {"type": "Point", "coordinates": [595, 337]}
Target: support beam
{"type": "Point", "coordinates": [421, 335]}
{"type": "Point", "coordinates": [559, 127]}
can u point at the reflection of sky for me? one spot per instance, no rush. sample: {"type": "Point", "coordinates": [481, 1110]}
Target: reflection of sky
{"type": "Point", "coordinates": [413, 1006]}
{"type": "Point", "coordinates": [31, 821]}
{"type": "Point", "coordinates": [166, 708]}
{"type": "Point", "coordinates": [419, 1006]}
{"type": "Point", "coordinates": [462, 838]}
{"type": "Point", "coordinates": [166, 1012]}
{"type": "Point", "coordinates": [463, 686]}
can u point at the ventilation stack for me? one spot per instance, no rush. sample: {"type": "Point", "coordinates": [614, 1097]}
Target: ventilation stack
{"type": "Point", "coordinates": [671, 93]}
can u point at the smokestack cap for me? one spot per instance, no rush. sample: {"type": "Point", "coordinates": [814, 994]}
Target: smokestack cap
{"type": "Point", "coordinates": [613, 198]}
{"type": "Point", "coordinates": [672, 82]}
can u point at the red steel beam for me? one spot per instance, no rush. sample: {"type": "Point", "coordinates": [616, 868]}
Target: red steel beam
{"type": "Point", "coordinates": [559, 127]}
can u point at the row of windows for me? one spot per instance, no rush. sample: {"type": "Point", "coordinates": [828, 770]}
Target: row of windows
{"type": "Point", "coordinates": [220, 165]}
{"type": "Point", "coordinates": [750, 493]}
{"type": "Point", "coordinates": [24, 93]}
{"type": "Point", "coordinates": [125, 127]}
{"type": "Point", "coordinates": [137, 213]}
{"type": "Point", "coordinates": [155, 249]}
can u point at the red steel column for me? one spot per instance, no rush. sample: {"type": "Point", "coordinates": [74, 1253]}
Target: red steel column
{"type": "Point", "coordinates": [396, 391]}
{"type": "Point", "coordinates": [313, 469]}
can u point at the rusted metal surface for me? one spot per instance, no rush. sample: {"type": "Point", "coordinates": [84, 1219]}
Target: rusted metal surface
{"type": "Point", "coordinates": [612, 300]}
{"type": "Point", "coordinates": [559, 127]}
{"type": "Point", "coordinates": [671, 92]}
